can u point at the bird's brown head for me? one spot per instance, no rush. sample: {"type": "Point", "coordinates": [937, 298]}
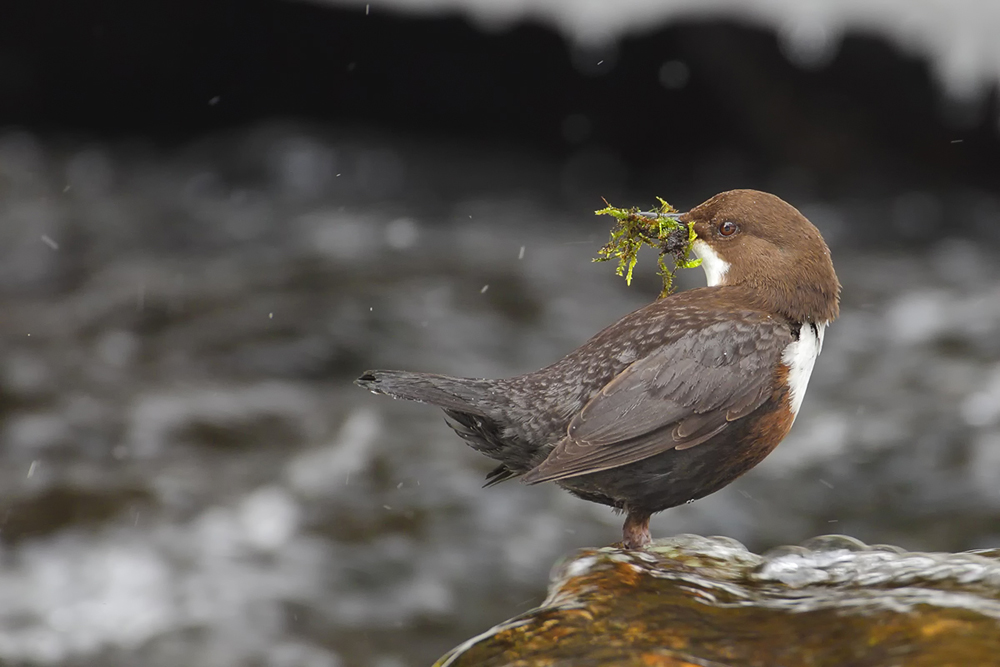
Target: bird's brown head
{"type": "Point", "coordinates": [755, 239]}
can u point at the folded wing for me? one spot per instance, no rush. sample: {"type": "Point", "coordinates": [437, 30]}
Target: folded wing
{"type": "Point", "coordinates": [678, 396]}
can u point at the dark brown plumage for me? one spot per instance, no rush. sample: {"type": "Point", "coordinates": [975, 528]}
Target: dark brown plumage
{"type": "Point", "coordinates": [675, 400]}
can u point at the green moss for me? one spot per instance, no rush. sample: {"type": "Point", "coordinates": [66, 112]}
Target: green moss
{"type": "Point", "coordinates": [636, 228]}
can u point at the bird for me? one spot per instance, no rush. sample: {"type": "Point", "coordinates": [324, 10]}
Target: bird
{"type": "Point", "coordinates": [675, 400]}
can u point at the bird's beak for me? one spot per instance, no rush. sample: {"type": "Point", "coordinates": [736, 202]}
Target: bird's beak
{"type": "Point", "coordinates": [653, 215]}
{"type": "Point", "coordinates": [677, 240]}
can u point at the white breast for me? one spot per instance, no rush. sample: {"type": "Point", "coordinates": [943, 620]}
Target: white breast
{"type": "Point", "coordinates": [715, 267]}
{"type": "Point", "coordinates": [799, 357]}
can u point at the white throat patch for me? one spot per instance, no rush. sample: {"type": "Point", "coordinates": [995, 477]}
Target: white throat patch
{"type": "Point", "coordinates": [715, 267]}
{"type": "Point", "coordinates": [799, 357]}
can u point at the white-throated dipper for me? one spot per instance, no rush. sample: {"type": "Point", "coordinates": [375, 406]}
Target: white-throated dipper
{"type": "Point", "coordinates": [677, 399]}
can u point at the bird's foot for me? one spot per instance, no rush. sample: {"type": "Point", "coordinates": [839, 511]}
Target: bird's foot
{"type": "Point", "coordinates": [635, 532]}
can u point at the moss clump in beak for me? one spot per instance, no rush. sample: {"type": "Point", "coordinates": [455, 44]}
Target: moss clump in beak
{"type": "Point", "coordinates": [660, 229]}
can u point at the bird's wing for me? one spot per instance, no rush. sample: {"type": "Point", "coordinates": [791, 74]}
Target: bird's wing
{"type": "Point", "coordinates": [676, 397]}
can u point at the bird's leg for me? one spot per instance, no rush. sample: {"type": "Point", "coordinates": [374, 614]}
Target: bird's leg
{"type": "Point", "coordinates": [635, 532]}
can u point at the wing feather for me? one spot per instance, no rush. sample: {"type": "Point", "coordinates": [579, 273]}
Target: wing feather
{"type": "Point", "coordinates": [678, 396]}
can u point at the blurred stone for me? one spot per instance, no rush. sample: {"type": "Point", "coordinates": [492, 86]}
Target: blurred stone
{"type": "Point", "coordinates": [691, 600]}
{"type": "Point", "coordinates": [243, 417]}
{"type": "Point", "coordinates": [50, 510]}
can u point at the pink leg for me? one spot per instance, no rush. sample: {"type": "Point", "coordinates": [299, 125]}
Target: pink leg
{"type": "Point", "coordinates": [635, 532]}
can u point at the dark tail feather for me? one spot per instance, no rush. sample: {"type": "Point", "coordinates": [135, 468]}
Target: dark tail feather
{"type": "Point", "coordinates": [461, 394]}
{"type": "Point", "coordinates": [499, 474]}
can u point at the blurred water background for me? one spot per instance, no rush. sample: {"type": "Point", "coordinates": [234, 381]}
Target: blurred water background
{"type": "Point", "coordinates": [213, 216]}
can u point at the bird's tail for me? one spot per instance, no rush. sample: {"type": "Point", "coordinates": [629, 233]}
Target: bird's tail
{"type": "Point", "coordinates": [462, 394]}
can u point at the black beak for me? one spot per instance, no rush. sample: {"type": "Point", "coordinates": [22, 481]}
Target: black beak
{"type": "Point", "coordinates": [653, 215]}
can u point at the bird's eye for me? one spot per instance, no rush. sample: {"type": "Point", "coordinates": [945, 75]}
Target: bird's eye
{"type": "Point", "coordinates": [728, 228]}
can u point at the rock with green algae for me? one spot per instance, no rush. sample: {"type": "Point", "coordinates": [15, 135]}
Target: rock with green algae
{"type": "Point", "coordinates": [708, 602]}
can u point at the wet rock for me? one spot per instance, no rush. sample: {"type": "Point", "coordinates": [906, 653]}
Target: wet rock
{"type": "Point", "coordinates": [51, 510]}
{"type": "Point", "coordinates": [691, 600]}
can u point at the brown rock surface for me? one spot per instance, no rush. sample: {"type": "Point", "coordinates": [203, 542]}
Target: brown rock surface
{"type": "Point", "coordinates": [691, 600]}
